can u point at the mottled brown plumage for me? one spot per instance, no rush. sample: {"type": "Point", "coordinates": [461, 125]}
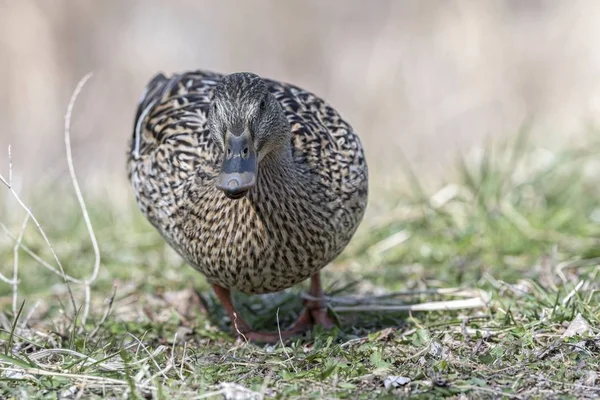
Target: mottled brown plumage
{"type": "Point", "coordinates": [308, 198]}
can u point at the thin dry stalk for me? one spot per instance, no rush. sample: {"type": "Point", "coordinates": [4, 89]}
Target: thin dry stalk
{"type": "Point", "coordinates": [79, 377]}
{"type": "Point", "coordinates": [15, 280]}
{"type": "Point", "coordinates": [2, 276]}
{"type": "Point", "coordinates": [37, 356]}
{"type": "Point", "coordinates": [182, 360]}
{"type": "Point", "coordinates": [5, 279]}
{"type": "Point", "coordinates": [572, 293]}
{"type": "Point", "coordinates": [87, 283]}
{"type": "Point", "coordinates": [281, 342]}
{"type": "Point", "coordinates": [37, 258]}
{"type": "Point", "coordinates": [8, 184]}
{"type": "Point", "coordinates": [30, 314]}
{"type": "Point", "coordinates": [150, 355]}
{"type": "Point", "coordinates": [235, 325]}
{"type": "Point", "coordinates": [475, 302]}
{"type": "Point", "coordinates": [18, 240]}
{"type": "Point", "coordinates": [477, 298]}
{"type": "Point", "coordinates": [170, 365]}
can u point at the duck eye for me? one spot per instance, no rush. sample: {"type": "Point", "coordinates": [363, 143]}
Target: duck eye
{"type": "Point", "coordinates": [263, 105]}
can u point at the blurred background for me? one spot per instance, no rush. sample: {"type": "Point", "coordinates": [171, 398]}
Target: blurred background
{"type": "Point", "coordinates": [421, 79]}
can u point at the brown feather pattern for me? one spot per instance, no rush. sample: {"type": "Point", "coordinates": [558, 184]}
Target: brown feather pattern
{"type": "Point", "coordinates": [300, 215]}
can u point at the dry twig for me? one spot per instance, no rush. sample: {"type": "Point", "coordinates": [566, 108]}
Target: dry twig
{"type": "Point", "coordinates": [8, 184]}
{"type": "Point", "coordinates": [87, 283]}
{"type": "Point", "coordinates": [29, 215]}
{"type": "Point", "coordinates": [15, 280]}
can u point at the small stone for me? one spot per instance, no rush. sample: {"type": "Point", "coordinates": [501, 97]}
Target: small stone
{"type": "Point", "coordinates": [395, 381]}
{"type": "Point", "coordinates": [579, 326]}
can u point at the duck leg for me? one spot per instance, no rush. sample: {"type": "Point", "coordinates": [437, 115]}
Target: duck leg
{"type": "Point", "coordinates": [315, 311]}
{"type": "Point", "coordinates": [241, 327]}
{"type": "Point", "coordinates": [238, 323]}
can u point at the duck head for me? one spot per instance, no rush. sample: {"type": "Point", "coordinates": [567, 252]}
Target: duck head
{"type": "Point", "coordinates": [248, 124]}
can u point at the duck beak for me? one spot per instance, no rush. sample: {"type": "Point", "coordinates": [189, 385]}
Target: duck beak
{"type": "Point", "coordinates": [239, 169]}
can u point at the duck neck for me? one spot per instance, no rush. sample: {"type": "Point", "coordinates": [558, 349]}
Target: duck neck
{"type": "Point", "coordinates": [280, 156]}
{"type": "Point", "coordinates": [278, 166]}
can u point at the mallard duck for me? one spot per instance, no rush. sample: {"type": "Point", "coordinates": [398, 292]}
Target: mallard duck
{"type": "Point", "coordinates": [257, 184]}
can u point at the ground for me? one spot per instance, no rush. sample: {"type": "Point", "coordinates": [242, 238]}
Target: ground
{"type": "Point", "coordinates": [486, 286]}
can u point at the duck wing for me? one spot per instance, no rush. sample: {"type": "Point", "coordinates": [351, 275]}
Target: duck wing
{"type": "Point", "coordinates": [325, 144]}
{"type": "Point", "coordinates": [171, 144]}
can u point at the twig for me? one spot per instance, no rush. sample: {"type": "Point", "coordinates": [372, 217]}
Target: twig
{"type": "Point", "coordinates": [37, 258]}
{"type": "Point", "coordinates": [8, 184]}
{"type": "Point", "coordinates": [170, 365]}
{"type": "Point", "coordinates": [143, 346]}
{"type": "Point", "coordinates": [353, 300]}
{"type": "Point", "coordinates": [235, 325]}
{"type": "Point", "coordinates": [2, 276]}
{"type": "Point", "coordinates": [172, 358]}
{"type": "Point", "coordinates": [100, 379]}
{"type": "Point", "coordinates": [5, 279]}
{"type": "Point", "coordinates": [558, 269]}
{"type": "Point", "coordinates": [87, 359]}
{"type": "Point", "coordinates": [87, 283]}
{"type": "Point", "coordinates": [15, 281]}
{"type": "Point", "coordinates": [572, 293]}
{"type": "Point", "coordinates": [162, 372]}
{"type": "Point", "coordinates": [30, 314]}
{"type": "Point", "coordinates": [475, 302]}
{"type": "Point", "coordinates": [182, 360]}
{"type": "Point", "coordinates": [281, 342]}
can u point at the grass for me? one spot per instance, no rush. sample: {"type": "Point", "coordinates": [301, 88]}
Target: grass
{"type": "Point", "coordinates": [518, 227]}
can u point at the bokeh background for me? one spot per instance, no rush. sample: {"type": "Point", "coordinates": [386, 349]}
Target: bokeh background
{"type": "Point", "coordinates": [419, 79]}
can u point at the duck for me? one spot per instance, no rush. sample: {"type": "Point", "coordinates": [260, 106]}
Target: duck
{"type": "Point", "coordinates": [256, 183]}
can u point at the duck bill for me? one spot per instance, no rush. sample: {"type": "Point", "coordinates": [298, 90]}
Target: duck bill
{"type": "Point", "coordinates": [240, 166]}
